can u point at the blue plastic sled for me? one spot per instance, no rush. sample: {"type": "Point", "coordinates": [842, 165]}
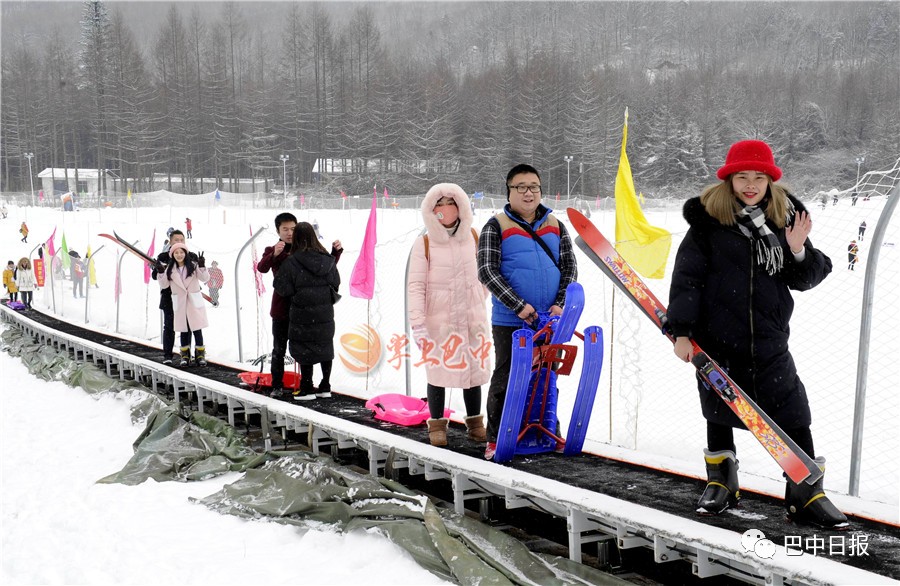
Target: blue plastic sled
{"type": "Point", "coordinates": [529, 423]}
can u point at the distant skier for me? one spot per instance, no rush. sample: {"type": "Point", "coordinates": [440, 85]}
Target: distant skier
{"type": "Point", "coordinates": [23, 230]}
{"type": "Point", "coordinates": [746, 248]}
{"type": "Point", "coordinates": [862, 230]}
{"type": "Point", "coordinates": [25, 281]}
{"type": "Point", "coordinates": [188, 225]}
{"type": "Point", "coordinates": [852, 255]}
{"type": "Point", "coordinates": [78, 274]}
{"type": "Point", "coordinates": [216, 280]}
{"type": "Point", "coordinates": [9, 281]}
{"type": "Point", "coordinates": [854, 197]}
{"type": "Point", "coordinates": [834, 200]}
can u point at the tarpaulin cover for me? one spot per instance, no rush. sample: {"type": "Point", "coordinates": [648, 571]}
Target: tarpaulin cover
{"type": "Point", "coordinates": [302, 489]}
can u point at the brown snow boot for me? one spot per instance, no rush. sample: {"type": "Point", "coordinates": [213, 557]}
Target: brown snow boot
{"type": "Point", "coordinates": [437, 431]}
{"type": "Point", "coordinates": [475, 428]}
{"type": "Point", "coordinates": [722, 490]}
{"type": "Point", "coordinates": [807, 503]}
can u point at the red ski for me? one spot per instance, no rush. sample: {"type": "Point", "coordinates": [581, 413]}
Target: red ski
{"type": "Point", "coordinates": [792, 459]}
{"type": "Point", "coordinates": [144, 257]}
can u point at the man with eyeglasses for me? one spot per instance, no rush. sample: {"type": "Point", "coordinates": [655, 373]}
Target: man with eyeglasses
{"type": "Point", "coordinates": [525, 260]}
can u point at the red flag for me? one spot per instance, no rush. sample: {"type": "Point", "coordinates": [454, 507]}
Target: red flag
{"type": "Point", "coordinates": [362, 279]}
{"type": "Point", "coordinates": [343, 195]}
{"type": "Point", "coordinates": [150, 252]}
{"type": "Point", "coordinates": [386, 196]}
{"type": "Point", "coordinates": [51, 249]}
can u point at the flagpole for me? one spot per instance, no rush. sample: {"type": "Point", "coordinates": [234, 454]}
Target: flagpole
{"type": "Point", "coordinates": [612, 347]}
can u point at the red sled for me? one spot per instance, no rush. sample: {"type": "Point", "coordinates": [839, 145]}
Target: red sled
{"type": "Point", "coordinates": [400, 409]}
{"type": "Point", "coordinates": [264, 379]}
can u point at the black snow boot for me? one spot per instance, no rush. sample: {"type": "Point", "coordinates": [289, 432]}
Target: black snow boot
{"type": "Point", "coordinates": [722, 490]}
{"type": "Point", "coordinates": [807, 503]}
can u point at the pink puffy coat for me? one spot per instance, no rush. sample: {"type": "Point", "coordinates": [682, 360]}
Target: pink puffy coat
{"type": "Point", "coordinates": [187, 302]}
{"type": "Point", "coordinates": [446, 298]}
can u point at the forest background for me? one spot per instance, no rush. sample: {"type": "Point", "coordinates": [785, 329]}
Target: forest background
{"type": "Point", "coordinates": [414, 93]}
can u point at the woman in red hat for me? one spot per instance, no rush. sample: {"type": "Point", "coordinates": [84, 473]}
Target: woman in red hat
{"type": "Point", "coordinates": [746, 248]}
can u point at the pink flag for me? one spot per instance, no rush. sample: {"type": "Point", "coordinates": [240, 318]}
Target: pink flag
{"type": "Point", "coordinates": [51, 249]}
{"type": "Point", "coordinates": [150, 253]}
{"type": "Point", "coordinates": [362, 279]}
{"type": "Point", "coordinates": [343, 195]}
{"type": "Point", "coordinates": [386, 196]}
{"type": "Point", "coordinates": [260, 286]}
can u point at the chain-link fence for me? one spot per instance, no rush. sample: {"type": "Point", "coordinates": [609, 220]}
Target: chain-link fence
{"type": "Point", "coordinates": [647, 399]}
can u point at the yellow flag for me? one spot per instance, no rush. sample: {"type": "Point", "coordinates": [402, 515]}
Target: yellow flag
{"type": "Point", "coordinates": [92, 271]}
{"type": "Point", "coordinates": [645, 247]}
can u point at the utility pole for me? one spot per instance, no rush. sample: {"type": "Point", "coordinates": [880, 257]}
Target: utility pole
{"type": "Point", "coordinates": [284, 160]}
{"type": "Point", "coordinates": [568, 160]}
{"type": "Point", "coordinates": [30, 156]}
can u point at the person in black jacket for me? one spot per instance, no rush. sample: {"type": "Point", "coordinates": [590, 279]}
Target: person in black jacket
{"type": "Point", "coordinates": [746, 248]}
{"type": "Point", "coordinates": [310, 279]}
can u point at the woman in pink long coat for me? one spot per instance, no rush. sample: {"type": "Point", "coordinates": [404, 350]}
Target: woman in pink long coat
{"type": "Point", "coordinates": [447, 309]}
{"type": "Point", "coordinates": [184, 275]}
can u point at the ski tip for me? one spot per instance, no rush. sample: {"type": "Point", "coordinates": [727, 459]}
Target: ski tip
{"type": "Point", "coordinates": [576, 217]}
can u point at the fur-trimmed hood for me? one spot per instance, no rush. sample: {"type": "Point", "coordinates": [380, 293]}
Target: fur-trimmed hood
{"type": "Point", "coordinates": [436, 231]}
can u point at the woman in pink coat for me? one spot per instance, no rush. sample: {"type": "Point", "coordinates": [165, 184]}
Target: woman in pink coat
{"type": "Point", "coordinates": [184, 276]}
{"type": "Point", "coordinates": [447, 309]}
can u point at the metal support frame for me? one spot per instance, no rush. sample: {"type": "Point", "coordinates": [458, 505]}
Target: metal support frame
{"type": "Point", "coordinates": [584, 525]}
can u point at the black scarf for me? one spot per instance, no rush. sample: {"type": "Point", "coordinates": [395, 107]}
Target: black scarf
{"type": "Point", "coordinates": [769, 253]}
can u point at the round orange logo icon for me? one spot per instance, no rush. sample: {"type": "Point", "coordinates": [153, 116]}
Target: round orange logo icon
{"type": "Point", "coordinates": [361, 349]}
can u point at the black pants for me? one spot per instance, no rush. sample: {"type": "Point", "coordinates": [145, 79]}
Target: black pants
{"type": "Point", "coordinates": [306, 376]}
{"type": "Point", "coordinates": [168, 336]}
{"type": "Point", "coordinates": [437, 398]}
{"type": "Point", "coordinates": [186, 339]}
{"type": "Point", "coordinates": [499, 379]}
{"type": "Point", "coordinates": [279, 347]}
{"type": "Point", "coordinates": [721, 437]}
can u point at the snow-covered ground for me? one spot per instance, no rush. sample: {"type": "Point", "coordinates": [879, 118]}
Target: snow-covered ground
{"type": "Point", "coordinates": [646, 402]}
{"type": "Point", "coordinates": [58, 527]}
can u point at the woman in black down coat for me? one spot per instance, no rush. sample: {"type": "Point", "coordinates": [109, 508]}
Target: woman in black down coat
{"type": "Point", "coordinates": [310, 279]}
{"type": "Point", "coordinates": [746, 248]}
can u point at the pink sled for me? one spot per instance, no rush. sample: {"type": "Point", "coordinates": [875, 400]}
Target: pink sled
{"type": "Point", "coordinates": [400, 409]}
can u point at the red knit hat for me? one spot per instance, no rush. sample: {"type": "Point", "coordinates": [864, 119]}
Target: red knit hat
{"type": "Point", "coordinates": [749, 155]}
